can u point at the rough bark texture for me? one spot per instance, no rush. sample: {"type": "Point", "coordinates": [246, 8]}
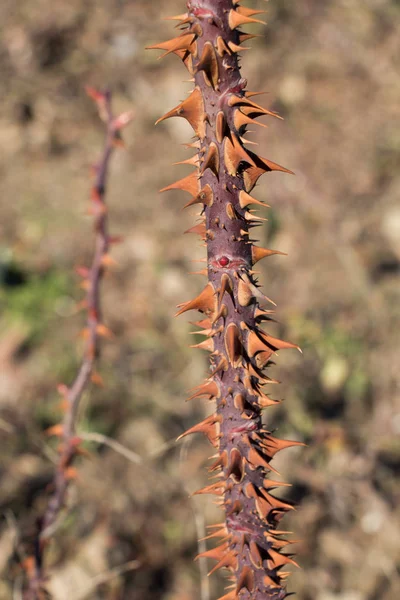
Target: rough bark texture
{"type": "Point", "coordinates": [219, 109]}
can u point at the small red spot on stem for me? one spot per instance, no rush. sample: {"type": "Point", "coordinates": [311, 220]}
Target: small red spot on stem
{"type": "Point", "coordinates": [224, 261]}
{"type": "Point", "coordinates": [239, 527]}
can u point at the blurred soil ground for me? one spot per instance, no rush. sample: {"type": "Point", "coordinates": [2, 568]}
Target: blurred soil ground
{"type": "Point", "coordinates": [329, 68]}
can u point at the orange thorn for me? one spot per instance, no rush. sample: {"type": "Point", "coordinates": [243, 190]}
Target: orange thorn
{"type": "Point", "coordinates": [104, 331]}
{"type": "Point", "coordinates": [56, 430]}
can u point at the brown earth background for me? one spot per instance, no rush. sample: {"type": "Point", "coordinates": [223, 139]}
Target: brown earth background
{"type": "Point", "coordinates": [329, 68]}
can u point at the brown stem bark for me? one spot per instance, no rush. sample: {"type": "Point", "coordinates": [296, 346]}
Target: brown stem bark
{"type": "Point", "coordinates": [94, 329]}
{"type": "Point", "coordinates": [219, 110]}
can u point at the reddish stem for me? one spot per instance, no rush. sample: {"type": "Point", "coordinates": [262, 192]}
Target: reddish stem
{"type": "Point", "coordinates": [93, 331]}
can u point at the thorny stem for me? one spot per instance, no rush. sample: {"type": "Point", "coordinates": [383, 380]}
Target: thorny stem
{"type": "Point", "coordinates": [94, 329]}
{"type": "Point", "coordinates": [219, 109]}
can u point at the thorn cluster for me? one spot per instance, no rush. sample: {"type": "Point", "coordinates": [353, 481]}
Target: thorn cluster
{"type": "Point", "coordinates": [70, 443]}
{"type": "Point", "coordinates": [233, 308]}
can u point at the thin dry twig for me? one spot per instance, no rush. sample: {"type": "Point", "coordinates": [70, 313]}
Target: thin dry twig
{"type": "Point", "coordinates": [202, 547]}
{"type": "Point", "coordinates": [200, 527]}
{"type": "Point", "coordinates": [94, 330]}
{"type": "Point", "coordinates": [107, 576]}
{"type": "Point", "coordinates": [99, 438]}
{"type": "Point", "coordinates": [135, 458]}
{"type": "Point", "coordinates": [17, 588]}
{"type": "Point", "coordinates": [7, 427]}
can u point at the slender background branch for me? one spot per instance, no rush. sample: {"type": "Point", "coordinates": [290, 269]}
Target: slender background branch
{"type": "Point", "coordinates": [93, 331]}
